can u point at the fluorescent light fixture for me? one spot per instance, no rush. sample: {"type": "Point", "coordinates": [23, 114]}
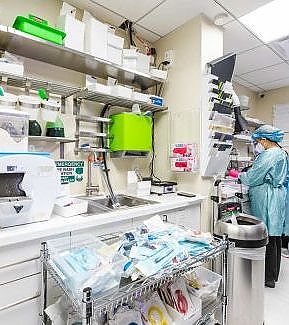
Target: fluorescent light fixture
{"type": "Point", "coordinates": [269, 22]}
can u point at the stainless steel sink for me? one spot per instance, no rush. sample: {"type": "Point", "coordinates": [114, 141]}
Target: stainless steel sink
{"type": "Point", "coordinates": [102, 205]}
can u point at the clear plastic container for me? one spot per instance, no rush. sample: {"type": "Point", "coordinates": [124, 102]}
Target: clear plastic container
{"type": "Point", "coordinates": [50, 109]}
{"type": "Point", "coordinates": [8, 101]}
{"type": "Point", "coordinates": [83, 261]}
{"type": "Point", "coordinates": [30, 105]}
{"type": "Point", "coordinates": [13, 131]}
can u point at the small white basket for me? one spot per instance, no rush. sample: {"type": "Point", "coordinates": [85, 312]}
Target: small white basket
{"type": "Point", "coordinates": [74, 208]}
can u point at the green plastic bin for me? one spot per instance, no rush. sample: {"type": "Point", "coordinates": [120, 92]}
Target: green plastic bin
{"type": "Point", "coordinates": [38, 27]}
{"type": "Point", "coordinates": [130, 132]}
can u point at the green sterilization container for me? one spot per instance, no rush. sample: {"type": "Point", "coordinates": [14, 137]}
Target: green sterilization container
{"type": "Point", "coordinates": [38, 27]}
{"type": "Point", "coordinates": [130, 132]}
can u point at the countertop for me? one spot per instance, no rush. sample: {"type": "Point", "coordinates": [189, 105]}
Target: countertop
{"type": "Point", "coordinates": [57, 225]}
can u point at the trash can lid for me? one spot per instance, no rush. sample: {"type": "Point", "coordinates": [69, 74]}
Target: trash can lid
{"type": "Point", "coordinates": [248, 232]}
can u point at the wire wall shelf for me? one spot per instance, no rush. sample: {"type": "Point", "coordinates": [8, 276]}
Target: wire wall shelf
{"type": "Point", "coordinates": [95, 96]}
{"type": "Point", "coordinates": [139, 288]}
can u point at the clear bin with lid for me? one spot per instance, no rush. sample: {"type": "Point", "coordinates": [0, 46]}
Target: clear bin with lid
{"type": "Point", "coordinates": [8, 101]}
{"type": "Point", "coordinates": [30, 105]}
{"type": "Point", "coordinates": [13, 131]}
{"type": "Point", "coordinates": [84, 261]}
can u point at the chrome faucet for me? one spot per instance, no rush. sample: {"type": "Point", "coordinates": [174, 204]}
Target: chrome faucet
{"type": "Point", "coordinates": [90, 188]}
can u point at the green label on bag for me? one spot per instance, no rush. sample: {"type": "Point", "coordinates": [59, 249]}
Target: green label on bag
{"type": "Point", "coordinates": [71, 171]}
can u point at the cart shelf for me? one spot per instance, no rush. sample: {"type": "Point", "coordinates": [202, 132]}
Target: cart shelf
{"type": "Point", "coordinates": [130, 291]}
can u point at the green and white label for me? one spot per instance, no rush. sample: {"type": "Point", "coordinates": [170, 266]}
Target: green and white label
{"type": "Point", "coordinates": [71, 171]}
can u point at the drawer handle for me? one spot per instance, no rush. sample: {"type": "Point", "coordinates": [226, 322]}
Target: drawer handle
{"type": "Point", "coordinates": [19, 302]}
{"type": "Point", "coordinates": [17, 263]}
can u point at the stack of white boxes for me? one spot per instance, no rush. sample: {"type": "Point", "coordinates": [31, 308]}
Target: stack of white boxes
{"type": "Point", "coordinates": [135, 60]}
{"type": "Point", "coordinates": [73, 28]}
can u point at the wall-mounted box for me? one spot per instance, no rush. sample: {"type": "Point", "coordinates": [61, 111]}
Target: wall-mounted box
{"type": "Point", "coordinates": [130, 135]}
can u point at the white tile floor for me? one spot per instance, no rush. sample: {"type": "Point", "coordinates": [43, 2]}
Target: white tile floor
{"type": "Point", "coordinates": [277, 299]}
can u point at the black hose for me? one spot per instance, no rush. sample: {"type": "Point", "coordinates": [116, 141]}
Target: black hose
{"type": "Point", "coordinates": [104, 110]}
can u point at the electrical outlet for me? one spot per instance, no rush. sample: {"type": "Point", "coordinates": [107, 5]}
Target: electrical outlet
{"type": "Point", "coordinates": [169, 56]}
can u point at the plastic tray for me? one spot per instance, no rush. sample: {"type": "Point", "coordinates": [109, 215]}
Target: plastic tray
{"type": "Point", "coordinates": [104, 278]}
{"type": "Point", "coordinates": [39, 27]}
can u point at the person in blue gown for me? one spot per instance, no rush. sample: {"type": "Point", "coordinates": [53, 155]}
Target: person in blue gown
{"type": "Point", "coordinates": [267, 192]}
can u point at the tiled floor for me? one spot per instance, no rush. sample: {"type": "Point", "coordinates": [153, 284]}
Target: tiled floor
{"type": "Point", "coordinates": [277, 299]}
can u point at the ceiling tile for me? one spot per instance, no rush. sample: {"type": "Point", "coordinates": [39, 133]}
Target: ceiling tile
{"type": "Point", "coordinates": [240, 8]}
{"type": "Point", "coordinates": [128, 8]}
{"type": "Point", "coordinates": [276, 84]}
{"type": "Point", "coordinates": [269, 74]}
{"type": "Point", "coordinates": [255, 59]}
{"type": "Point", "coordinates": [172, 14]}
{"type": "Point", "coordinates": [247, 84]}
{"type": "Point", "coordinates": [147, 35]}
{"type": "Point", "coordinates": [238, 39]}
{"type": "Point", "coordinates": [98, 12]}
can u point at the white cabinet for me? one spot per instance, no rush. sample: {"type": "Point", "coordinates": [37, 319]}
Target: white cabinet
{"type": "Point", "coordinates": [20, 284]}
{"type": "Point", "coordinates": [26, 313]}
{"type": "Point", "coordinates": [188, 216]}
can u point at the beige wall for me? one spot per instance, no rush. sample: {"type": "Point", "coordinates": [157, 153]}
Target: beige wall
{"type": "Point", "coordinates": [49, 9]}
{"type": "Point", "coordinates": [192, 45]}
{"type": "Point", "coordinates": [264, 108]}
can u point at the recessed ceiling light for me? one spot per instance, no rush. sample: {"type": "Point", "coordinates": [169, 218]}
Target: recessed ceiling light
{"type": "Point", "coordinates": [269, 22]}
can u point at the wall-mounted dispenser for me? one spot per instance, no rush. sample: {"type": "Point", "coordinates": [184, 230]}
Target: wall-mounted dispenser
{"type": "Point", "coordinates": [130, 135]}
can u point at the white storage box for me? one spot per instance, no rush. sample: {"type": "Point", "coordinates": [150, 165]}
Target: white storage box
{"type": "Point", "coordinates": [12, 68]}
{"type": "Point", "coordinates": [140, 96]}
{"type": "Point", "coordinates": [30, 105]}
{"type": "Point", "coordinates": [210, 283]}
{"type": "Point", "coordinates": [114, 54]}
{"type": "Point", "coordinates": [73, 208]}
{"type": "Point", "coordinates": [95, 38]}
{"type": "Point", "coordinates": [121, 91]}
{"type": "Point", "coordinates": [92, 84]}
{"type": "Point", "coordinates": [159, 73]}
{"type": "Point", "coordinates": [143, 63]}
{"type": "Point", "coordinates": [140, 189]}
{"type": "Point", "coordinates": [129, 58]}
{"type": "Point", "coordinates": [115, 41]}
{"type": "Point", "coordinates": [74, 30]}
{"type": "Point", "coordinates": [13, 131]}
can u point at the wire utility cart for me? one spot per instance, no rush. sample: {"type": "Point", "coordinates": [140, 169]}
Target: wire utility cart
{"type": "Point", "coordinates": [89, 307]}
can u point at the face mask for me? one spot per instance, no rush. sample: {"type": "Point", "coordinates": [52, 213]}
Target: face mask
{"type": "Point", "coordinates": [258, 149]}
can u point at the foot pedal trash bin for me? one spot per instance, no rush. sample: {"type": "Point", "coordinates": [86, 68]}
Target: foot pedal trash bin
{"type": "Point", "coordinates": [246, 268]}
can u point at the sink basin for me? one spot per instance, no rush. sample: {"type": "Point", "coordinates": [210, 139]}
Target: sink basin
{"type": "Point", "coordinates": [102, 205]}
{"type": "Point", "coordinates": [124, 201]}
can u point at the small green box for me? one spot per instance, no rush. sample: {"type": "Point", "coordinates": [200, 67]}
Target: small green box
{"type": "Point", "coordinates": [38, 27]}
{"type": "Point", "coordinates": [130, 132]}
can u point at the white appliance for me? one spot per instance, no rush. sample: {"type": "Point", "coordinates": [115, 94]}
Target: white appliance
{"type": "Point", "coordinates": [28, 188]}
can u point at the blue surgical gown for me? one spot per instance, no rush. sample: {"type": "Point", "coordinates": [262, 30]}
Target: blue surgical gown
{"type": "Point", "coordinates": [267, 191]}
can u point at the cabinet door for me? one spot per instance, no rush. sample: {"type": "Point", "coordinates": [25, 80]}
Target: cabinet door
{"type": "Point", "coordinates": [26, 313]}
{"type": "Point", "coordinates": [18, 271]}
{"type": "Point", "coordinates": [14, 254]}
{"type": "Point", "coordinates": [14, 292]}
{"type": "Point", "coordinates": [187, 217]}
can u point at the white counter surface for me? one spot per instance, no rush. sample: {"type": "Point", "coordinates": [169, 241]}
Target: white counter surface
{"type": "Point", "coordinates": [58, 225]}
